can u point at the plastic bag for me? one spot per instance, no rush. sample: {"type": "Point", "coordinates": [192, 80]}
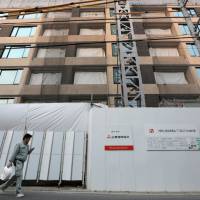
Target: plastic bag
{"type": "Point", "coordinates": [7, 172]}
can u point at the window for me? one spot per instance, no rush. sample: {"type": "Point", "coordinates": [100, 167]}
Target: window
{"type": "Point", "coordinates": [192, 12]}
{"type": "Point", "coordinates": [90, 78]}
{"type": "Point", "coordinates": [170, 78]}
{"type": "Point", "coordinates": [198, 29]}
{"type": "Point", "coordinates": [6, 100]}
{"type": "Point", "coordinates": [23, 31]}
{"type": "Point", "coordinates": [198, 72]}
{"type": "Point", "coordinates": [113, 28]}
{"type": "Point", "coordinates": [184, 29]}
{"type": "Point", "coordinates": [112, 12]}
{"type": "Point", "coordinates": [3, 16]}
{"type": "Point", "coordinates": [90, 52]}
{"type": "Point", "coordinates": [16, 52]}
{"type": "Point", "coordinates": [92, 14]}
{"type": "Point", "coordinates": [86, 31]}
{"type": "Point", "coordinates": [116, 75]}
{"type": "Point", "coordinates": [10, 76]}
{"type": "Point", "coordinates": [30, 16]}
{"type": "Point", "coordinates": [178, 14]}
{"type": "Point", "coordinates": [45, 78]}
{"type": "Point", "coordinates": [118, 102]}
{"type": "Point", "coordinates": [192, 48]}
{"type": "Point", "coordinates": [114, 49]}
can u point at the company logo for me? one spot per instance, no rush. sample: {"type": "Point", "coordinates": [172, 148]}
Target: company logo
{"type": "Point", "coordinates": [151, 130]}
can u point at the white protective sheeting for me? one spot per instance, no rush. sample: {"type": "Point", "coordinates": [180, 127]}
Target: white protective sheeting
{"type": "Point", "coordinates": [87, 31]}
{"type": "Point", "coordinates": [158, 31]}
{"type": "Point", "coordinates": [90, 78]}
{"type": "Point", "coordinates": [56, 32]}
{"type": "Point", "coordinates": [170, 78]}
{"type": "Point", "coordinates": [45, 79]}
{"type": "Point", "coordinates": [154, 14]}
{"type": "Point", "coordinates": [92, 14]}
{"type": "Point", "coordinates": [59, 15]}
{"type": "Point", "coordinates": [142, 170]}
{"type": "Point", "coordinates": [51, 53]}
{"type": "Point", "coordinates": [164, 52]}
{"type": "Point", "coordinates": [58, 137]}
{"type": "Point", "coordinates": [90, 52]}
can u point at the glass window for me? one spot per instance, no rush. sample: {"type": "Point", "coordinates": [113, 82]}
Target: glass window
{"type": "Point", "coordinates": [113, 29]}
{"type": "Point", "coordinates": [178, 13]}
{"type": "Point", "coordinates": [184, 29]}
{"type": "Point", "coordinates": [10, 76]}
{"type": "Point", "coordinates": [198, 72]}
{"type": "Point", "coordinates": [192, 48]}
{"type": "Point", "coordinates": [3, 16]}
{"type": "Point", "coordinates": [15, 52]}
{"type": "Point", "coordinates": [30, 16]}
{"type": "Point", "coordinates": [112, 12]}
{"type": "Point", "coordinates": [116, 75]}
{"type": "Point", "coordinates": [192, 12]}
{"type": "Point", "coordinates": [6, 100]}
{"type": "Point", "coordinates": [23, 31]}
{"type": "Point", "coordinates": [114, 49]}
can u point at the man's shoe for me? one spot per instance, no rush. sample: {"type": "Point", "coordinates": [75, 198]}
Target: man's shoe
{"type": "Point", "coordinates": [1, 190]}
{"type": "Point", "coordinates": [20, 195]}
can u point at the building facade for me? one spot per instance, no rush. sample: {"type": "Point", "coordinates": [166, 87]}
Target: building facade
{"type": "Point", "coordinates": [71, 55]}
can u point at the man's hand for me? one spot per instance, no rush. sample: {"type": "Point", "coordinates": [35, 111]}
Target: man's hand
{"type": "Point", "coordinates": [9, 164]}
{"type": "Point", "coordinates": [31, 150]}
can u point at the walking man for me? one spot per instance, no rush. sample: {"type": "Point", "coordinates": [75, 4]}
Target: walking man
{"type": "Point", "coordinates": [18, 158]}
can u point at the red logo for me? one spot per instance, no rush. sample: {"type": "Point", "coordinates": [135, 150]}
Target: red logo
{"type": "Point", "coordinates": [151, 130]}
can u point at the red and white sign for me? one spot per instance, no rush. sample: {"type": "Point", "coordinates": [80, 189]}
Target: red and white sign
{"type": "Point", "coordinates": [119, 138]}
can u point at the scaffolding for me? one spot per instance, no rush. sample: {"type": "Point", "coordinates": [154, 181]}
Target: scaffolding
{"type": "Point", "coordinates": [131, 81]}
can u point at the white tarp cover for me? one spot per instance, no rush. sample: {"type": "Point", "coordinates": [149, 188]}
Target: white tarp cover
{"type": "Point", "coordinates": [158, 31]}
{"type": "Point", "coordinates": [164, 52]}
{"type": "Point", "coordinates": [170, 78]}
{"type": "Point", "coordinates": [90, 78]}
{"type": "Point", "coordinates": [87, 31]}
{"type": "Point", "coordinates": [56, 32]}
{"type": "Point", "coordinates": [142, 170]}
{"type": "Point", "coordinates": [90, 52]}
{"type": "Point", "coordinates": [45, 79]}
{"type": "Point", "coordinates": [59, 14]}
{"type": "Point", "coordinates": [92, 14]}
{"type": "Point", "coordinates": [51, 53]}
{"type": "Point", "coordinates": [58, 137]}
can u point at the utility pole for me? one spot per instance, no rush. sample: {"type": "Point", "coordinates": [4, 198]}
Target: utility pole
{"type": "Point", "coordinates": [131, 80]}
{"type": "Point", "coordinates": [191, 26]}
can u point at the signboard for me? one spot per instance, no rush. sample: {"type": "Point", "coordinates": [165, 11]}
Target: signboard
{"type": "Point", "coordinates": [119, 138]}
{"type": "Point", "coordinates": [172, 137]}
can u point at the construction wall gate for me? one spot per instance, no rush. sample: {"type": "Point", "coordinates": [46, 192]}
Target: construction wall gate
{"type": "Point", "coordinates": [129, 149]}
{"type": "Point", "coordinates": [59, 137]}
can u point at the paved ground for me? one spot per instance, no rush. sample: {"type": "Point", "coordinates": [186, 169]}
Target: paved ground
{"type": "Point", "coordinates": [38, 194]}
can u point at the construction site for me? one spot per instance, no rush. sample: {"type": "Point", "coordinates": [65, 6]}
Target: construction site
{"type": "Point", "coordinates": [108, 89]}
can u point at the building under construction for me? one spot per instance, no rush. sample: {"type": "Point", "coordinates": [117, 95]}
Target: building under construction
{"type": "Point", "coordinates": [119, 53]}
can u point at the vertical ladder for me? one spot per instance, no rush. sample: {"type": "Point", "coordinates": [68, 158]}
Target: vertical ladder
{"type": "Point", "coordinates": [131, 80]}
